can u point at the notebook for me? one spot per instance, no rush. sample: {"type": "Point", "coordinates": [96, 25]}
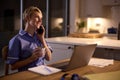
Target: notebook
{"type": "Point", "coordinates": [80, 57]}
{"type": "Point", "coordinates": [44, 70]}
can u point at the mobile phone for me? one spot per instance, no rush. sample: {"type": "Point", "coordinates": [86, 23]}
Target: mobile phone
{"type": "Point", "coordinates": [40, 30]}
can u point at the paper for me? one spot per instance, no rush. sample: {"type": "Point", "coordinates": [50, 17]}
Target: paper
{"type": "Point", "coordinates": [100, 62]}
{"type": "Point", "coordinates": [44, 70]}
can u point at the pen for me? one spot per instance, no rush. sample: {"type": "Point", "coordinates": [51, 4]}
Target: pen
{"type": "Point", "coordinates": [47, 69]}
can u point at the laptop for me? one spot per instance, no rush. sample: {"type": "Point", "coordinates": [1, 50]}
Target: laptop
{"type": "Point", "coordinates": [80, 57]}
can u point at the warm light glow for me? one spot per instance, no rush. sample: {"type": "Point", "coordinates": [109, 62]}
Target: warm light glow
{"type": "Point", "coordinates": [96, 24]}
{"type": "Point", "coordinates": [56, 22]}
{"type": "Point", "coordinates": [59, 20]}
{"type": "Point", "coordinates": [98, 21]}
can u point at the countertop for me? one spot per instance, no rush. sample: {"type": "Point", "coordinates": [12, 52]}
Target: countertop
{"type": "Point", "coordinates": [104, 42]}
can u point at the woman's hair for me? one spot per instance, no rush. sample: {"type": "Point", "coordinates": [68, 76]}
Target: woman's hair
{"type": "Point", "coordinates": [30, 11]}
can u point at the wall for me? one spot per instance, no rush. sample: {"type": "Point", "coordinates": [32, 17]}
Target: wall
{"type": "Point", "coordinates": [73, 12]}
{"type": "Point", "coordinates": [112, 16]}
{"type": "Point", "coordinates": [109, 16]}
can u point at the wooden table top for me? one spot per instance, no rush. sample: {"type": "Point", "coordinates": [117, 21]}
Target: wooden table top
{"type": "Point", "coordinates": [27, 75]}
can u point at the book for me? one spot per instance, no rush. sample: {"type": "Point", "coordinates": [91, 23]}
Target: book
{"type": "Point", "coordinates": [100, 62]}
{"type": "Point", "coordinates": [44, 70]}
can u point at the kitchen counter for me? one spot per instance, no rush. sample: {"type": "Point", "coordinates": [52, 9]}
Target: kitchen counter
{"type": "Point", "coordinates": [101, 42]}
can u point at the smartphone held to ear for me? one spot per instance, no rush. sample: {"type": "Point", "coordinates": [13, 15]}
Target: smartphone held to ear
{"type": "Point", "coordinates": [40, 30]}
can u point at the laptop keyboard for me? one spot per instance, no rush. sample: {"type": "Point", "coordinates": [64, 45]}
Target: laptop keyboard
{"type": "Point", "coordinates": [61, 65]}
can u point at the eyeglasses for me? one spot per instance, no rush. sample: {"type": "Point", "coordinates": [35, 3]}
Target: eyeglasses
{"type": "Point", "coordinates": [73, 77]}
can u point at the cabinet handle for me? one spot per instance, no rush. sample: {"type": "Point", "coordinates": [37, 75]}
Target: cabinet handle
{"type": "Point", "coordinates": [109, 49]}
{"type": "Point", "coordinates": [70, 47]}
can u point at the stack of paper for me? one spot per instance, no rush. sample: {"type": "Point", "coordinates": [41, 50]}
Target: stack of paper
{"type": "Point", "coordinates": [44, 70]}
{"type": "Point", "coordinates": [100, 62]}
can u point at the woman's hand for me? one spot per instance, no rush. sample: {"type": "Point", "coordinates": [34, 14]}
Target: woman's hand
{"type": "Point", "coordinates": [42, 32]}
{"type": "Point", "coordinates": [37, 53]}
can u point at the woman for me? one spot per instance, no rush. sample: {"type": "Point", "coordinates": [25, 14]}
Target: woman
{"type": "Point", "coordinates": [26, 48]}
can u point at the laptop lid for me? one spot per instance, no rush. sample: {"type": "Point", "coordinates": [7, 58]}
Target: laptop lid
{"type": "Point", "coordinates": [81, 56]}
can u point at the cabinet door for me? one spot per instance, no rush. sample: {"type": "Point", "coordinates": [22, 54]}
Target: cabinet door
{"type": "Point", "coordinates": [111, 2]}
{"type": "Point", "coordinates": [60, 52]}
{"type": "Point", "coordinates": [107, 53]}
{"type": "Point", "coordinates": [91, 8]}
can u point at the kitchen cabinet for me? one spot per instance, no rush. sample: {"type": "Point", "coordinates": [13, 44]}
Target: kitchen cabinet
{"type": "Point", "coordinates": [60, 52]}
{"type": "Point", "coordinates": [111, 2]}
{"type": "Point", "coordinates": [107, 53]}
{"type": "Point", "coordinates": [90, 8]}
{"type": "Point", "coordinates": [106, 47]}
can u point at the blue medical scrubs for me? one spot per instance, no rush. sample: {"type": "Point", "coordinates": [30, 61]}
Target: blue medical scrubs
{"type": "Point", "coordinates": [21, 47]}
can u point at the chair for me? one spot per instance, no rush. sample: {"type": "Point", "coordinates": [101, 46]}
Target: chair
{"type": "Point", "coordinates": [4, 56]}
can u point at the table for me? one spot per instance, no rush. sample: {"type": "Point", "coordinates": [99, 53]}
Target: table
{"type": "Point", "coordinates": [27, 75]}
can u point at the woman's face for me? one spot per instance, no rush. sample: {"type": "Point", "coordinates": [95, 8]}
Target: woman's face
{"type": "Point", "coordinates": [35, 20]}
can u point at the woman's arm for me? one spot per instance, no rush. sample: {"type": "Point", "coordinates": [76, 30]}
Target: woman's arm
{"type": "Point", "coordinates": [47, 50]}
{"type": "Point", "coordinates": [18, 64]}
